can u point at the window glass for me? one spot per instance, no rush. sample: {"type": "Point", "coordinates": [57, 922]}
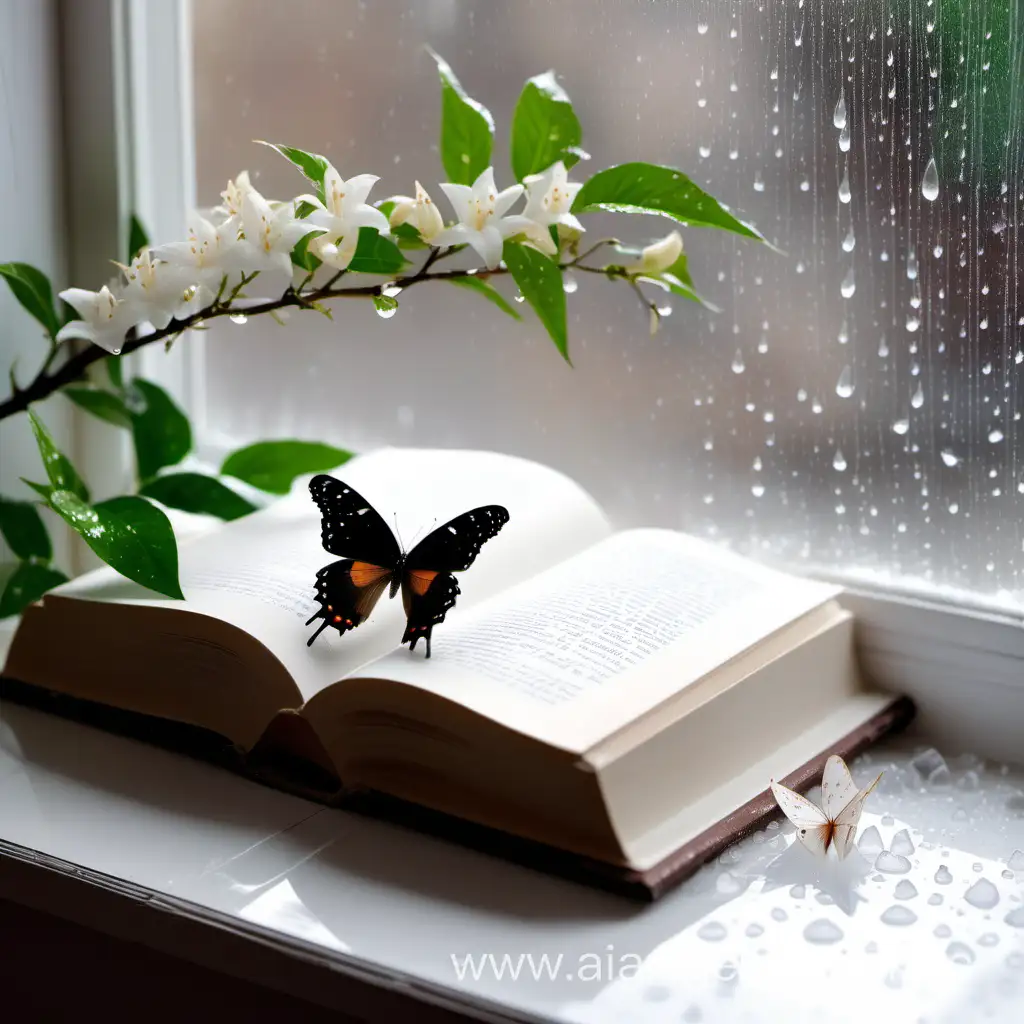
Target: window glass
{"type": "Point", "coordinates": [856, 403]}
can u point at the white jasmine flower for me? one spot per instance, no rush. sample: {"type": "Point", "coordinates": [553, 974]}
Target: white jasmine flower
{"type": "Point", "coordinates": [156, 290]}
{"type": "Point", "coordinates": [483, 225]}
{"type": "Point", "coordinates": [270, 234]}
{"type": "Point", "coordinates": [549, 197]}
{"type": "Point", "coordinates": [341, 216]}
{"type": "Point", "coordinates": [106, 318]}
{"type": "Point", "coordinates": [420, 212]}
{"type": "Point", "coordinates": [658, 256]}
{"type": "Point", "coordinates": [210, 253]}
{"type": "Point", "coordinates": [233, 195]}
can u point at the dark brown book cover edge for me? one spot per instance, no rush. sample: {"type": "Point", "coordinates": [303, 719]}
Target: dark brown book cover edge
{"type": "Point", "coordinates": [274, 763]}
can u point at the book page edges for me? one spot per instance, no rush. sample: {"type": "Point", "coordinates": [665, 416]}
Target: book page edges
{"type": "Point", "coordinates": [171, 663]}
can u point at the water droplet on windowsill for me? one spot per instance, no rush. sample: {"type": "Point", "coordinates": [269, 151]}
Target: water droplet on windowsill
{"type": "Point", "coordinates": [905, 890]}
{"type": "Point", "coordinates": [943, 876]}
{"type": "Point", "coordinates": [892, 863]}
{"type": "Point", "coordinates": [960, 953]}
{"type": "Point", "coordinates": [823, 932]}
{"type": "Point", "coordinates": [712, 931]}
{"type": "Point", "coordinates": [899, 916]}
{"type": "Point", "coordinates": [983, 894]}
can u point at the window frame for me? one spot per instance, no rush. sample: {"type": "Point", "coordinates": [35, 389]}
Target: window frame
{"type": "Point", "coordinates": [962, 662]}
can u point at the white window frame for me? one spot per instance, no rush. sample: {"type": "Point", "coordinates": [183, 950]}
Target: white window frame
{"type": "Point", "coordinates": [963, 663]}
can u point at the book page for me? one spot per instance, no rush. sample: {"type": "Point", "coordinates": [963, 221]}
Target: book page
{"type": "Point", "coordinates": [582, 650]}
{"type": "Point", "coordinates": [259, 572]}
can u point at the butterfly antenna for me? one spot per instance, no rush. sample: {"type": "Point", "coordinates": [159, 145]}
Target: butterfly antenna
{"type": "Point", "coordinates": [397, 531]}
{"type": "Point", "coordinates": [420, 530]}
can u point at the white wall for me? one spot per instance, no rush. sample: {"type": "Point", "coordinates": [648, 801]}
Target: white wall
{"type": "Point", "coordinates": [31, 204]}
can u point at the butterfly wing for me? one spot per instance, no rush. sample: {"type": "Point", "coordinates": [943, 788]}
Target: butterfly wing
{"type": "Point", "coordinates": [813, 828]}
{"type": "Point", "coordinates": [427, 596]}
{"type": "Point", "coordinates": [428, 587]}
{"type": "Point", "coordinates": [347, 590]}
{"type": "Point", "coordinates": [350, 526]}
{"type": "Point", "coordinates": [848, 819]}
{"type": "Point", "coordinates": [837, 787]}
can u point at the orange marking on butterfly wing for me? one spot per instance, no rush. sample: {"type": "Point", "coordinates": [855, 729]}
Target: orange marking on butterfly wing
{"type": "Point", "coordinates": [420, 580]}
{"type": "Point", "coordinates": [365, 574]}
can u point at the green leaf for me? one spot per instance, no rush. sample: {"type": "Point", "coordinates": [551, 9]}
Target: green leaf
{"type": "Point", "coordinates": [544, 127]}
{"type": "Point", "coordinates": [103, 404]}
{"type": "Point", "coordinates": [160, 429]}
{"type": "Point", "coordinates": [273, 465]}
{"type": "Point", "coordinates": [115, 371]}
{"type": "Point", "coordinates": [137, 238]}
{"type": "Point", "coordinates": [43, 490]}
{"type": "Point", "coordinates": [488, 291]}
{"type": "Point", "coordinates": [303, 209]}
{"type": "Point", "coordinates": [194, 492]}
{"type": "Point", "coordinates": [26, 584]}
{"type": "Point", "coordinates": [376, 255]}
{"type": "Point", "coordinates": [385, 303]}
{"type": "Point", "coordinates": [312, 165]}
{"type": "Point", "coordinates": [540, 281]}
{"type": "Point", "coordinates": [408, 237]}
{"type": "Point", "coordinates": [31, 287]}
{"type": "Point", "coordinates": [650, 188]}
{"type": "Point", "coordinates": [23, 529]}
{"type": "Point", "coordinates": [301, 256]}
{"type": "Point", "coordinates": [129, 534]}
{"type": "Point", "coordinates": [58, 467]}
{"type": "Point", "coordinates": [387, 207]}
{"type": "Point", "coordinates": [467, 129]}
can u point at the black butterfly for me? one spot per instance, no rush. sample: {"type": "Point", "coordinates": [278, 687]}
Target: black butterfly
{"type": "Point", "coordinates": [373, 562]}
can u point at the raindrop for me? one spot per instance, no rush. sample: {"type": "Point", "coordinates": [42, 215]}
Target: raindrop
{"type": "Point", "coordinates": [712, 931]}
{"type": "Point", "coordinates": [901, 426]}
{"type": "Point", "coordinates": [983, 894]}
{"type": "Point", "coordinates": [844, 138]}
{"type": "Point", "coordinates": [930, 182]}
{"type": "Point", "coordinates": [913, 322]}
{"type": "Point", "coordinates": [844, 186]}
{"type": "Point", "coordinates": [238, 318]}
{"type": "Point", "coordinates": [849, 285]}
{"type": "Point", "coordinates": [757, 490]}
{"type": "Point", "coordinates": [960, 953]}
{"type": "Point", "coordinates": [917, 398]}
{"type": "Point", "coordinates": [839, 117]}
{"type": "Point", "coordinates": [570, 284]}
{"type": "Point", "coordinates": [839, 462]}
{"type": "Point", "coordinates": [892, 863]}
{"type": "Point", "coordinates": [705, 151]}
{"type": "Point", "coordinates": [912, 265]}
{"type": "Point", "coordinates": [898, 915]}
{"type": "Point", "coordinates": [849, 241]}
{"type": "Point", "coordinates": [738, 366]}
{"type": "Point", "coordinates": [943, 876]}
{"type": "Point", "coordinates": [845, 386]}
{"type": "Point", "coordinates": [702, 28]}
{"type": "Point", "coordinates": [822, 932]}
{"type": "Point", "coordinates": [950, 458]}
{"type": "Point", "coordinates": [386, 313]}
{"type": "Point", "coordinates": [519, 297]}
{"type": "Point", "coordinates": [758, 182]}
{"type": "Point", "coordinates": [905, 890]}
{"type": "Point", "coordinates": [995, 436]}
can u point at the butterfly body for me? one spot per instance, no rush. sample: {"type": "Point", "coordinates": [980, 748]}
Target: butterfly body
{"type": "Point", "coordinates": [347, 590]}
{"type": "Point", "coordinates": [835, 822]}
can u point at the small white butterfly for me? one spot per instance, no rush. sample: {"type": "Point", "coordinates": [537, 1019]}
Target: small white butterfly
{"type": "Point", "coordinates": [835, 822]}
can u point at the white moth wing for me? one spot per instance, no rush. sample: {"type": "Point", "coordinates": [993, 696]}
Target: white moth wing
{"type": "Point", "coordinates": [846, 823]}
{"type": "Point", "coordinates": [812, 825]}
{"type": "Point", "coordinates": [837, 787]}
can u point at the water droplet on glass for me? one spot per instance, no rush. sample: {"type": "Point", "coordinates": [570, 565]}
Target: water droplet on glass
{"type": "Point", "coordinates": [822, 932]}
{"type": "Point", "coordinates": [901, 427]}
{"type": "Point", "coordinates": [757, 490]}
{"type": "Point", "coordinates": [1015, 918]}
{"type": "Point", "coordinates": [569, 282]}
{"type": "Point", "coordinates": [917, 398]}
{"type": "Point", "coordinates": [849, 285]}
{"type": "Point", "coordinates": [902, 844]}
{"type": "Point", "coordinates": [950, 458]}
{"type": "Point", "coordinates": [728, 973]}
{"type": "Point", "coordinates": [778, 914]}
{"type": "Point", "coordinates": [844, 138]}
{"type": "Point", "coordinates": [758, 182]}
{"type": "Point", "coordinates": [702, 27]}
{"type": "Point", "coordinates": [943, 876]}
{"type": "Point", "coordinates": [839, 117]}
{"type": "Point", "coordinates": [960, 953]}
{"type": "Point", "coordinates": [930, 182]}
{"type": "Point", "coordinates": [892, 863]}
{"type": "Point", "coordinates": [935, 900]}
{"type": "Point", "coordinates": [870, 842]}
{"type": "Point", "coordinates": [705, 151]}
{"type": "Point", "coordinates": [844, 186]}
{"type": "Point", "coordinates": [1016, 861]}
{"type": "Point", "coordinates": [912, 265]}
{"type": "Point", "coordinates": [983, 894]}
{"type": "Point", "coordinates": [839, 462]}
{"type": "Point", "coordinates": [988, 940]}
{"type": "Point", "coordinates": [845, 386]}
{"type": "Point", "coordinates": [913, 322]}
{"type": "Point", "coordinates": [995, 436]}
{"type": "Point", "coordinates": [849, 241]}
{"type": "Point", "coordinates": [238, 318]}
{"type": "Point", "coordinates": [738, 366]}
{"type": "Point", "coordinates": [897, 915]}
{"type": "Point", "coordinates": [712, 931]}
{"type": "Point", "coordinates": [905, 890]}
{"type": "Point", "coordinates": [753, 930]}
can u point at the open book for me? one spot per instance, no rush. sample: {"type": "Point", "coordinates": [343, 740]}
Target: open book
{"type": "Point", "coordinates": [612, 700]}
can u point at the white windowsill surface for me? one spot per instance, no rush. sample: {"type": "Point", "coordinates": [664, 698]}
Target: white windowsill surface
{"type": "Point", "coordinates": [931, 927]}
